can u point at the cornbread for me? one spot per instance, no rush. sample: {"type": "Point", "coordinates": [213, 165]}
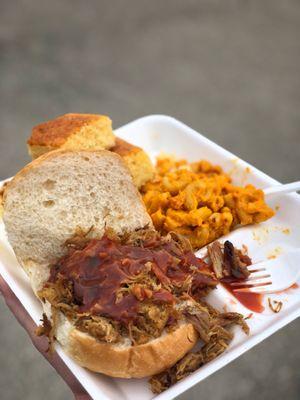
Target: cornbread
{"type": "Point", "coordinates": [72, 132]}
{"type": "Point", "coordinates": [138, 162]}
{"type": "Point", "coordinates": [89, 131]}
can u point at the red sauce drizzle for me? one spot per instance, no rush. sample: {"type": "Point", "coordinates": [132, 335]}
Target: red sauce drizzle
{"type": "Point", "coordinates": [103, 266]}
{"type": "Point", "coordinates": [287, 290]}
{"type": "Point", "coordinates": [252, 301]}
{"type": "Point", "coordinates": [294, 286]}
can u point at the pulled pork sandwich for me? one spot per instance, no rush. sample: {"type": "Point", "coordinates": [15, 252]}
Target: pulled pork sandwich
{"type": "Point", "coordinates": [118, 297]}
{"type": "Point", "coordinates": [138, 302]}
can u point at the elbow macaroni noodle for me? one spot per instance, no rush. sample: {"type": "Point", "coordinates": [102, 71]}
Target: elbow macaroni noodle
{"type": "Point", "coordinates": [199, 201]}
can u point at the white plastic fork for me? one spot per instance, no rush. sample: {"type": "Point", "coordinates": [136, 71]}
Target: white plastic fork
{"type": "Point", "coordinates": [278, 189]}
{"type": "Point", "coordinates": [272, 275]}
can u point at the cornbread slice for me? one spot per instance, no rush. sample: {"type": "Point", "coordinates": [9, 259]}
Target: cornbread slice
{"type": "Point", "coordinates": [89, 131]}
{"type": "Point", "coordinates": [72, 132]}
{"type": "Point", "coordinates": [136, 159]}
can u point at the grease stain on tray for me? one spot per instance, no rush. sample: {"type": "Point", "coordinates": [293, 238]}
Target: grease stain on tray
{"type": "Point", "coordinates": [239, 172]}
{"type": "Point", "coordinates": [282, 229]}
{"type": "Point", "coordinates": [261, 235]}
{"type": "Point", "coordinates": [274, 253]}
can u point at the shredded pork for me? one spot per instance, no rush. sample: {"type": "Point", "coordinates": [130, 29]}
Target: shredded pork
{"type": "Point", "coordinates": [168, 287]}
{"type": "Point", "coordinates": [213, 328]}
{"type": "Point", "coordinates": [227, 261]}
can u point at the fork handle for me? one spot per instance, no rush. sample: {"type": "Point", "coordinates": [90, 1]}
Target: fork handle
{"type": "Point", "coordinates": [287, 188]}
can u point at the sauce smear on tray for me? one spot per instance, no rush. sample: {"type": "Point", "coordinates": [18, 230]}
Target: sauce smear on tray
{"type": "Point", "coordinates": [252, 301]}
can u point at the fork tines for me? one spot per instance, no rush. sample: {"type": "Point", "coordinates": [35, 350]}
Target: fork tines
{"type": "Point", "coordinates": [257, 280]}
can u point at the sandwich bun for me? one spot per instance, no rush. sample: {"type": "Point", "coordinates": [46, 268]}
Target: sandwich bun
{"type": "Point", "coordinates": [46, 204]}
{"type": "Point", "coordinates": [123, 360]}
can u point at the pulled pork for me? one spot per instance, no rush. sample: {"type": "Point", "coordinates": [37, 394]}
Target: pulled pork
{"type": "Point", "coordinates": [47, 329]}
{"type": "Point", "coordinates": [213, 328]}
{"type": "Point", "coordinates": [150, 324]}
{"type": "Point", "coordinates": [112, 288]}
{"type": "Point", "coordinates": [228, 262]}
{"type": "Point", "coordinates": [99, 327]}
{"type": "Point", "coordinates": [140, 286]}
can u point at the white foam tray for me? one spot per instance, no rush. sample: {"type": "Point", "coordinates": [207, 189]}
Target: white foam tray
{"type": "Point", "coordinates": [155, 134]}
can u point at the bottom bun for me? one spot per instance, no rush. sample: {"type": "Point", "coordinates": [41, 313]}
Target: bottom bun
{"type": "Point", "coordinates": [124, 360]}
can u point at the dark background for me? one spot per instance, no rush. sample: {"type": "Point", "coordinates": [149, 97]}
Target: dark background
{"type": "Point", "coordinates": [229, 69]}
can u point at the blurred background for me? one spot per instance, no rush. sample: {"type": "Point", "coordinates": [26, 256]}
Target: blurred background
{"type": "Point", "coordinates": [229, 69]}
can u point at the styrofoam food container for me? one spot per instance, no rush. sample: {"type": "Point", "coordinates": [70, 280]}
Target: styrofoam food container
{"type": "Point", "coordinates": [156, 134]}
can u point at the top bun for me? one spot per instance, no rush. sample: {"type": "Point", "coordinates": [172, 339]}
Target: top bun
{"type": "Point", "coordinates": [62, 192]}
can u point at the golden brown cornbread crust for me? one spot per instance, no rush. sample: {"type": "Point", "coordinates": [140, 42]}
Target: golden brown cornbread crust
{"type": "Point", "coordinates": [124, 148]}
{"type": "Point", "coordinates": [89, 131]}
{"type": "Point", "coordinates": [54, 133]}
{"type": "Point", "coordinates": [136, 159]}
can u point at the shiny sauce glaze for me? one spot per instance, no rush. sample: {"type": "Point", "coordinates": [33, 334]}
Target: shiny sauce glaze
{"type": "Point", "coordinates": [252, 301]}
{"type": "Point", "coordinates": [103, 266]}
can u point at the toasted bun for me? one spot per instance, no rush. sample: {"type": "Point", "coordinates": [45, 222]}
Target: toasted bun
{"type": "Point", "coordinates": [123, 360]}
{"type": "Point", "coordinates": [44, 205]}
{"type": "Point", "coordinates": [72, 132]}
{"type": "Point", "coordinates": [136, 159]}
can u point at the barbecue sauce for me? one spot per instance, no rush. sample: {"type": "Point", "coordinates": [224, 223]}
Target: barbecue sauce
{"type": "Point", "coordinates": [252, 301]}
{"type": "Point", "coordinates": [104, 266]}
